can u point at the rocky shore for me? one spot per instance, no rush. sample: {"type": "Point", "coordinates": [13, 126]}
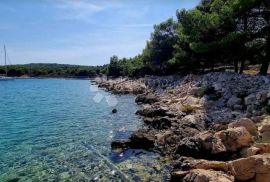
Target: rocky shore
{"type": "Point", "coordinates": [214, 127]}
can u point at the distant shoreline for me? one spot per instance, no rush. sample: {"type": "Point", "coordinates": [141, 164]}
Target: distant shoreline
{"type": "Point", "coordinates": [66, 78]}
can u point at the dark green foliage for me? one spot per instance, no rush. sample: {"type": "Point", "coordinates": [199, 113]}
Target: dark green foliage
{"type": "Point", "coordinates": [52, 70]}
{"type": "Point", "coordinates": [214, 34]}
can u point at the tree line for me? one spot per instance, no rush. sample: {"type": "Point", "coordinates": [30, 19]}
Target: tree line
{"type": "Point", "coordinates": [216, 33]}
{"type": "Point", "coordinates": [51, 70]}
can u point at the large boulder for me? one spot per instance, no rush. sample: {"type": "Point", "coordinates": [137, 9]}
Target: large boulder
{"type": "Point", "coordinates": [247, 123]}
{"type": "Point", "coordinates": [146, 99]}
{"type": "Point", "coordinates": [209, 145]}
{"type": "Point", "coordinates": [142, 139]}
{"type": "Point", "coordinates": [201, 175]}
{"type": "Point", "coordinates": [255, 167]}
{"type": "Point", "coordinates": [234, 139]}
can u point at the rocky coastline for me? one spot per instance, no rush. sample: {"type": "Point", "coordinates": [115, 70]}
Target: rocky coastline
{"type": "Point", "coordinates": [214, 127]}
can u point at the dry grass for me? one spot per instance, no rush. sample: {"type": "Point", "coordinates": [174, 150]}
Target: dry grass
{"type": "Point", "coordinates": [188, 109]}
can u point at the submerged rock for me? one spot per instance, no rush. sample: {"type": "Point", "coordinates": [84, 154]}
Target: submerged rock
{"type": "Point", "coordinates": [119, 146]}
{"type": "Point", "coordinates": [142, 139]}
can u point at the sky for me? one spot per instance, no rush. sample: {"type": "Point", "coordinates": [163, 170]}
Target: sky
{"type": "Point", "coordinates": [84, 32]}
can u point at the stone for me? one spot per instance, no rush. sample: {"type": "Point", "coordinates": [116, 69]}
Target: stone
{"type": "Point", "coordinates": [178, 175]}
{"type": "Point", "coordinates": [233, 101]}
{"type": "Point", "coordinates": [238, 107]}
{"type": "Point", "coordinates": [158, 122]}
{"type": "Point", "coordinates": [201, 175]}
{"type": "Point", "coordinates": [152, 112]}
{"type": "Point", "coordinates": [234, 139]}
{"type": "Point", "coordinates": [120, 145]}
{"type": "Point", "coordinates": [142, 139]}
{"type": "Point", "coordinates": [264, 147]}
{"type": "Point", "coordinates": [261, 96]}
{"type": "Point", "coordinates": [215, 165]}
{"type": "Point", "coordinates": [247, 152]}
{"type": "Point", "coordinates": [247, 123]}
{"type": "Point", "coordinates": [249, 100]}
{"type": "Point", "coordinates": [209, 145]}
{"type": "Point", "coordinates": [255, 167]}
{"type": "Point", "coordinates": [161, 138]}
{"type": "Point", "coordinates": [264, 131]}
{"type": "Point", "coordinates": [146, 99]}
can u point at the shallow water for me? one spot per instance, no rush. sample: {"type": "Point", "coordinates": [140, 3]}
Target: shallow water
{"type": "Point", "coordinates": [61, 130]}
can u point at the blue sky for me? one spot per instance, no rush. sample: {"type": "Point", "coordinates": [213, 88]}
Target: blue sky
{"type": "Point", "coordinates": [85, 32]}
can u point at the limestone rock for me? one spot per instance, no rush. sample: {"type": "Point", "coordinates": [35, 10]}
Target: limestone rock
{"type": "Point", "coordinates": [201, 175]}
{"type": "Point", "coordinates": [207, 144]}
{"type": "Point", "coordinates": [235, 138]}
{"type": "Point", "coordinates": [215, 165]}
{"type": "Point", "coordinates": [264, 131]}
{"type": "Point", "coordinates": [245, 122]}
{"type": "Point", "coordinates": [247, 152]}
{"type": "Point", "coordinates": [255, 167]}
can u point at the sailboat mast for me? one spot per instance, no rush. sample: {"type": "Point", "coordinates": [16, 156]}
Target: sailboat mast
{"type": "Point", "coordinates": [5, 59]}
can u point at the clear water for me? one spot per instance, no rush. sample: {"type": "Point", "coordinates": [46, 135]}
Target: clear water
{"type": "Point", "coordinates": [60, 130]}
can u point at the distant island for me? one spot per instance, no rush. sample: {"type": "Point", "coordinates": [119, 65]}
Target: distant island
{"type": "Point", "coordinates": [51, 70]}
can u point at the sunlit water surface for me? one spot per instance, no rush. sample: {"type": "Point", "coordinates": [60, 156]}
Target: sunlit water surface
{"type": "Point", "coordinates": [61, 130]}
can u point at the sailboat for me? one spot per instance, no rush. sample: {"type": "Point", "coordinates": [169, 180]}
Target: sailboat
{"type": "Point", "coordinates": [5, 78]}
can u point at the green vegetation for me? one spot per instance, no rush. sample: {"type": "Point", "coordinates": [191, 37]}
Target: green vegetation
{"type": "Point", "coordinates": [216, 33]}
{"type": "Point", "coordinates": [52, 70]}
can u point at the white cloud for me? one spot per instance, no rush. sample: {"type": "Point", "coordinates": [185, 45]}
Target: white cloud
{"type": "Point", "coordinates": [83, 10]}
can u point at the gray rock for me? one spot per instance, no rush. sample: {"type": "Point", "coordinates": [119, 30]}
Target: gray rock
{"type": "Point", "coordinates": [268, 95]}
{"type": "Point", "coordinates": [233, 101]}
{"type": "Point", "coordinates": [250, 99]}
{"type": "Point", "coordinates": [261, 96]}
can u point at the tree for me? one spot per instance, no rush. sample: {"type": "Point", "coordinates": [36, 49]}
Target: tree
{"type": "Point", "coordinates": [159, 50]}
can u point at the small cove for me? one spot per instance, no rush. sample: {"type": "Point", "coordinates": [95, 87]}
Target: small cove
{"type": "Point", "coordinates": [57, 130]}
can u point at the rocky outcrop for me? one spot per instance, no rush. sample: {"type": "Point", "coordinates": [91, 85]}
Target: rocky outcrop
{"type": "Point", "coordinates": [214, 116]}
{"type": "Point", "coordinates": [211, 145]}
{"type": "Point", "coordinates": [256, 168]}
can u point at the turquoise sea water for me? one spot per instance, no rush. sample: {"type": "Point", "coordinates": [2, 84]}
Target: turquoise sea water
{"type": "Point", "coordinates": [60, 130]}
